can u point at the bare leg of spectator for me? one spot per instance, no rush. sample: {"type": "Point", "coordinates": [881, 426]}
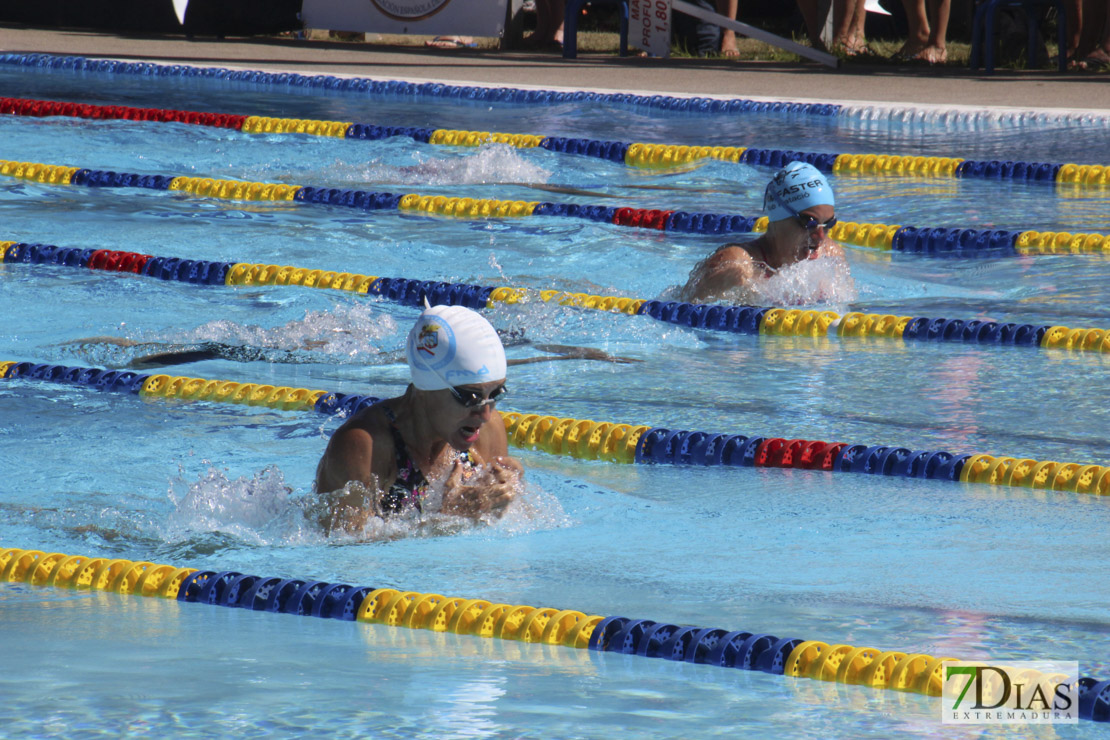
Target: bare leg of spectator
{"type": "Point", "coordinates": [849, 17]}
{"type": "Point", "coordinates": [937, 51]}
{"type": "Point", "coordinates": [1096, 17]}
{"type": "Point", "coordinates": [728, 8]}
{"type": "Point", "coordinates": [813, 23]}
{"type": "Point", "coordinates": [859, 21]}
{"type": "Point", "coordinates": [918, 37]}
{"type": "Point", "coordinates": [1075, 25]}
{"type": "Point", "coordinates": [558, 15]}
{"type": "Point", "coordinates": [549, 24]}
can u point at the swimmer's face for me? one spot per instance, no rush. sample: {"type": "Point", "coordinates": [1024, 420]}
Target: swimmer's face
{"type": "Point", "coordinates": [808, 240]}
{"type": "Point", "coordinates": [462, 425]}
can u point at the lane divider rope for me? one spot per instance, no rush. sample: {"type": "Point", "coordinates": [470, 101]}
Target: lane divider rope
{"type": "Point", "coordinates": [416, 91]}
{"type": "Point", "coordinates": [634, 154]}
{"type": "Point", "coordinates": [847, 664]}
{"type": "Point", "coordinates": [869, 115]}
{"type": "Point", "coordinates": [734, 319]}
{"type": "Point", "coordinates": [587, 439]}
{"type": "Point", "coordinates": [960, 242]}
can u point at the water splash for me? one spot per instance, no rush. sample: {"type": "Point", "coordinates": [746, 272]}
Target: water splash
{"type": "Point", "coordinates": [345, 334]}
{"type": "Point", "coordinates": [352, 331]}
{"type": "Point", "coordinates": [263, 510]}
{"type": "Point", "coordinates": [489, 164]}
{"type": "Point", "coordinates": [254, 511]}
{"type": "Point", "coordinates": [826, 281]}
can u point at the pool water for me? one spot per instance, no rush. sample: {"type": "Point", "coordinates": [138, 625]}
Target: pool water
{"type": "Point", "coordinates": [956, 569]}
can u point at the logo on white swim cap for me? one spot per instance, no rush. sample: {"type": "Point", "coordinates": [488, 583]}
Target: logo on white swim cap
{"type": "Point", "coordinates": [452, 345]}
{"type": "Point", "coordinates": [794, 188]}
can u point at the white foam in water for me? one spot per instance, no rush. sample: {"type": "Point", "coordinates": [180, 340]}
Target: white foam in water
{"type": "Point", "coordinates": [488, 164]}
{"type": "Point", "coordinates": [827, 281]}
{"type": "Point", "coordinates": [251, 510]}
{"type": "Point", "coordinates": [356, 333]}
{"type": "Point", "coordinates": [350, 331]}
{"type": "Point", "coordinates": [264, 510]}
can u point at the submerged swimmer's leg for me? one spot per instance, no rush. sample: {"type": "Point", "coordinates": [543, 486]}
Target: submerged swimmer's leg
{"type": "Point", "coordinates": [174, 357]}
{"type": "Point", "coordinates": [117, 341]}
{"type": "Point", "coordinates": [167, 354]}
{"type": "Point", "coordinates": [564, 352]}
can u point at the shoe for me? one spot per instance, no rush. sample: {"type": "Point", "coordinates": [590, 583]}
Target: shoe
{"type": "Point", "coordinates": [452, 42]}
{"type": "Point", "coordinates": [907, 53]}
{"type": "Point", "coordinates": [1092, 63]}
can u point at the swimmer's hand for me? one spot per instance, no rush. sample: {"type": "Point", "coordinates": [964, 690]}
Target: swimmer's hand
{"type": "Point", "coordinates": [345, 510]}
{"type": "Point", "coordinates": [488, 489]}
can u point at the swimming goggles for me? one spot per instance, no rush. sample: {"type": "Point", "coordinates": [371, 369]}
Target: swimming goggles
{"type": "Point", "coordinates": [474, 399]}
{"type": "Point", "coordinates": [809, 223]}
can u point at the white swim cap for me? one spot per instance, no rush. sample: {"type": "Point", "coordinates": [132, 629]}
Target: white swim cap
{"type": "Point", "coordinates": [452, 345]}
{"type": "Point", "coordinates": [794, 188]}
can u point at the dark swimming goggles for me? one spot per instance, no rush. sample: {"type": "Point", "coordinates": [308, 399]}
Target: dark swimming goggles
{"type": "Point", "coordinates": [809, 223]}
{"type": "Point", "coordinates": [474, 399]}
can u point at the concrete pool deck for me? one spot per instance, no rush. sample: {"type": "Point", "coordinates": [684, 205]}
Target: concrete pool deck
{"type": "Point", "coordinates": [782, 80]}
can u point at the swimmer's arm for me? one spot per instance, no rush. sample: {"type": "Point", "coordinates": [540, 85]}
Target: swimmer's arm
{"type": "Point", "coordinates": [729, 267]}
{"type": "Point", "coordinates": [348, 457]}
{"type": "Point", "coordinates": [349, 473]}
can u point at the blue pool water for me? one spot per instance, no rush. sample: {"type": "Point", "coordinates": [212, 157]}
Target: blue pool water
{"type": "Point", "coordinates": [941, 568]}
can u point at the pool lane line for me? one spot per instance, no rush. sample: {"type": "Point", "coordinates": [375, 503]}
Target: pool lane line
{"type": "Point", "coordinates": [751, 320]}
{"type": "Point", "coordinates": [865, 112]}
{"type": "Point", "coordinates": [416, 92]}
{"type": "Point", "coordinates": [634, 154]}
{"type": "Point", "coordinates": [814, 659]}
{"type": "Point", "coordinates": [615, 442]}
{"type": "Point", "coordinates": [939, 241]}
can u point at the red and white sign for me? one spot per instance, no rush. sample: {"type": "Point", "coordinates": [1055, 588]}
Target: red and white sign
{"type": "Point", "coordinates": [649, 26]}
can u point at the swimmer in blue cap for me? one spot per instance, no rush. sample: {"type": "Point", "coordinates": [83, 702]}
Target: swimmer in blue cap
{"type": "Point", "coordinates": [800, 209]}
{"type": "Point", "coordinates": [442, 435]}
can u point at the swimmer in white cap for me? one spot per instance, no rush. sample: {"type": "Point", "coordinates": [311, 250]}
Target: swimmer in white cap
{"type": "Point", "coordinates": [800, 209]}
{"type": "Point", "coordinates": [443, 432]}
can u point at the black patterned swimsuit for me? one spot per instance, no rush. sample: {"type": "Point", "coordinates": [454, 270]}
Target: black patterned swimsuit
{"type": "Point", "coordinates": [411, 485]}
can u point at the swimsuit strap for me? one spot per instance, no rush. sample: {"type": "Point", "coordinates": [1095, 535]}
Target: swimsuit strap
{"type": "Point", "coordinates": [410, 485]}
{"type": "Point", "coordinates": [768, 271]}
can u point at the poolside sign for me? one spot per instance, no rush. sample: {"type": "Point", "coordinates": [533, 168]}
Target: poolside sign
{"type": "Point", "coordinates": [649, 26]}
{"type": "Point", "coordinates": [1014, 692]}
{"type": "Point", "coordinates": [426, 17]}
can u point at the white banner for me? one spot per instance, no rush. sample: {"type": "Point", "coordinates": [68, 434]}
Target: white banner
{"type": "Point", "coordinates": [649, 26]}
{"type": "Point", "coordinates": [421, 17]}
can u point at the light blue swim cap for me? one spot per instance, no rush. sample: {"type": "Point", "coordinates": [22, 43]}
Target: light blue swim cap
{"type": "Point", "coordinates": [794, 188]}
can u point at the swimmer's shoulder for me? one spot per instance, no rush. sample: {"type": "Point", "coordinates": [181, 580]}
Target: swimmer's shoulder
{"type": "Point", "coordinates": [363, 441]}
{"type": "Point", "coordinates": [372, 420]}
{"type": "Point", "coordinates": [734, 252]}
